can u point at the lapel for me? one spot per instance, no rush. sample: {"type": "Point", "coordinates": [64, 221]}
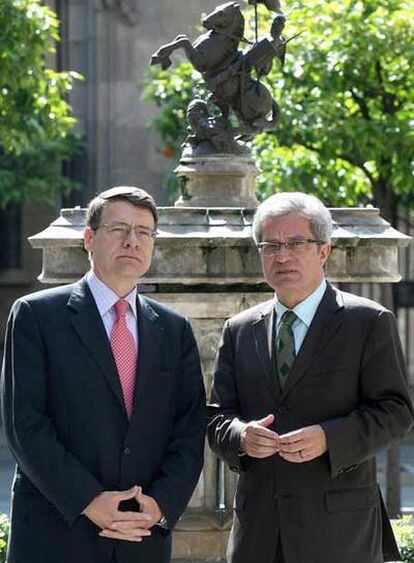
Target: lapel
{"type": "Point", "coordinates": [88, 324]}
{"type": "Point", "coordinates": [263, 335]}
{"type": "Point", "coordinates": [324, 325]}
{"type": "Point", "coordinates": [149, 349]}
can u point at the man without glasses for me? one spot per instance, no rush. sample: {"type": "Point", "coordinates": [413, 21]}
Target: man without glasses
{"type": "Point", "coordinates": [103, 404]}
{"type": "Point", "coordinates": [308, 387]}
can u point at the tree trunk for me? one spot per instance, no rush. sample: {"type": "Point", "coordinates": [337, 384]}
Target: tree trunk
{"type": "Point", "coordinates": [385, 199]}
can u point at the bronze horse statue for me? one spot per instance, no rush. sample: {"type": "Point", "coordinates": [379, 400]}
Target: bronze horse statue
{"type": "Point", "coordinates": [214, 49]}
{"type": "Point", "coordinates": [215, 54]}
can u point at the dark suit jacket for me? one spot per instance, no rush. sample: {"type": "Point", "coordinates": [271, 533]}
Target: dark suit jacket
{"type": "Point", "coordinates": [348, 377]}
{"type": "Point", "coordinates": [66, 425]}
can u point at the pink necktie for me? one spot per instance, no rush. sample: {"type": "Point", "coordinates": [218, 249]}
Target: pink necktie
{"type": "Point", "coordinates": [125, 354]}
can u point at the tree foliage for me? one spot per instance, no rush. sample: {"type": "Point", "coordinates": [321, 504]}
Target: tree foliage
{"type": "Point", "coordinates": [346, 93]}
{"type": "Point", "coordinates": [35, 117]}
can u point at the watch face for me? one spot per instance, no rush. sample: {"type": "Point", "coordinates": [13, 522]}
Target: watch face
{"type": "Point", "coordinates": [162, 521]}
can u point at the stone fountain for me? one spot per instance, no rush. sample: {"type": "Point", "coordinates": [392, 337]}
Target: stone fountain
{"type": "Point", "coordinates": [205, 264]}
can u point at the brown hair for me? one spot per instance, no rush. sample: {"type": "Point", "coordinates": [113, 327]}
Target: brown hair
{"type": "Point", "coordinates": [131, 194]}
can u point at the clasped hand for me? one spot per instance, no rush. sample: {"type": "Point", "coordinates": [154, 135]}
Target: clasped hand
{"type": "Point", "coordinates": [301, 445]}
{"type": "Point", "coordinates": [130, 526]}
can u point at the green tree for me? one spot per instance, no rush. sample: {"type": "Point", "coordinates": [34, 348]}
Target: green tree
{"type": "Point", "coordinates": [346, 94]}
{"type": "Point", "coordinates": [35, 118]}
{"type": "Point", "coordinates": [348, 99]}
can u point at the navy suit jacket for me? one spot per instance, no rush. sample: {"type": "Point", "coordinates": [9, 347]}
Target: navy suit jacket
{"type": "Point", "coordinates": [67, 427]}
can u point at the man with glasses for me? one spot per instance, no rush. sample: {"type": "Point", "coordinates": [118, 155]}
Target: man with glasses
{"type": "Point", "coordinates": [103, 404]}
{"type": "Point", "coordinates": [308, 387]}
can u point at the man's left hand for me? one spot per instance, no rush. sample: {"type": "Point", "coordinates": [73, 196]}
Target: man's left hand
{"type": "Point", "coordinates": [149, 506]}
{"type": "Point", "coordinates": [303, 444]}
{"type": "Point", "coordinates": [129, 530]}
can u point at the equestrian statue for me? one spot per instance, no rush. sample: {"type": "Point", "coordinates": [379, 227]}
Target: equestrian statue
{"type": "Point", "coordinates": [232, 76]}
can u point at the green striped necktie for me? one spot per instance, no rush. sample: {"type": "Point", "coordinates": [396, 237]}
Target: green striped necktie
{"type": "Point", "coordinates": [285, 347]}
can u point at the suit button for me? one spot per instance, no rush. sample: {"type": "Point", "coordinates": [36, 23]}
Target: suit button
{"type": "Point", "coordinates": [281, 410]}
{"type": "Point", "coordinates": [127, 451]}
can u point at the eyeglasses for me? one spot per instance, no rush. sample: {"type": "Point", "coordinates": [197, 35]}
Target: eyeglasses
{"type": "Point", "coordinates": [121, 231]}
{"type": "Point", "coordinates": [295, 246]}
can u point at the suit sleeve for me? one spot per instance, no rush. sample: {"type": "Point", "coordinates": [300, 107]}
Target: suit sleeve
{"type": "Point", "coordinates": [32, 438]}
{"type": "Point", "coordinates": [385, 410]}
{"type": "Point", "coordinates": [183, 459]}
{"type": "Point", "coordinates": [224, 426]}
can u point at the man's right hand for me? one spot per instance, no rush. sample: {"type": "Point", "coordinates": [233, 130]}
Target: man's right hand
{"type": "Point", "coordinates": [256, 440]}
{"type": "Point", "coordinates": [104, 511]}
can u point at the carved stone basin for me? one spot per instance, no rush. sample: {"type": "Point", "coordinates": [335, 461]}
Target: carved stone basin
{"type": "Point", "coordinates": [213, 246]}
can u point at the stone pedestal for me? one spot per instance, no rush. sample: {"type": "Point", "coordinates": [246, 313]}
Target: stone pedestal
{"type": "Point", "coordinates": [206, 266]}
{"type": "Point", "coordinates": [209, 181]}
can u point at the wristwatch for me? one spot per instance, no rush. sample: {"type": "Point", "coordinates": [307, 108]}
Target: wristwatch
{"type": "Point", "coordinates": [162, 522]}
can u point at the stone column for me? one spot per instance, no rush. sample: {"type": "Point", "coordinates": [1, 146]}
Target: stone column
{"type": "Point", "coordinates": [207, 180]}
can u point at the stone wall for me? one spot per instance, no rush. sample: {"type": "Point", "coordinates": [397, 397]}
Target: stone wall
{"type": "Point", "coordinates": [110, 42]}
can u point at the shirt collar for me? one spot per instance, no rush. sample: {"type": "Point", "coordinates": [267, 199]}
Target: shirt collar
{"type": "Point", "coordinates": [306, 309]}
{"type": "Point", "coordinates": [105, 298]}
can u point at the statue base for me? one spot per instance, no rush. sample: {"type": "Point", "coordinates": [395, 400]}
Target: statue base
{"type": "Point", "coordinates": [221, 180]}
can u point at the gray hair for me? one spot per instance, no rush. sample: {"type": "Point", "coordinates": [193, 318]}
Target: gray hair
{"type": "Point", "coordinates": [305, 205]}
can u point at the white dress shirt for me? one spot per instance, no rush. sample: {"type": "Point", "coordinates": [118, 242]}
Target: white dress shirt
{"type": "Point", "coordinates": [105, 300]}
